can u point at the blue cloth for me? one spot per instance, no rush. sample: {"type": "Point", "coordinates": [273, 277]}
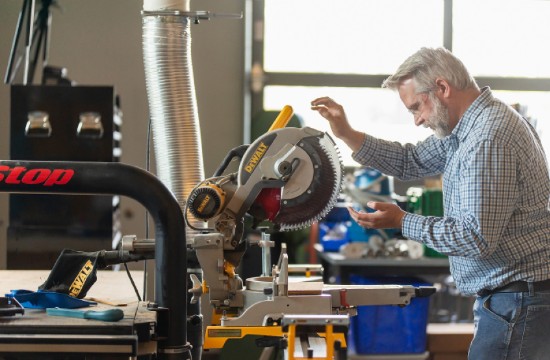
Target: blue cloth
{"type": "Point", "coordinates": [47, 299]}
{"type": "Point", "coordinates": [511, 326]}
{"type": "Point", "coordinates": [496, 191]}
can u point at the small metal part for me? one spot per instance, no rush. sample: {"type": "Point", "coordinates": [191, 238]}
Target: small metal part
{"type": "Point", "coordinates": [38, 124]}
{"type": "Point", "coordinates": [283, 167]}
{"type": "Point", "coordinates": [306, 270]}
{"type": "Point", "coordinates": [132, 244]}
{"type": "Point", "coordinates": [268, 291]}
{"type": "Point", "coordinates": [127, 243]}
{"type": "Point", "coordinates": [265, 243]}
{"type": "Point", "coordinates": [196, 290]}
{"type": "Point", "coordinates": [259, 283]}
{"type": "Point", "coordinates": [90, 125]}
{"type": "Point", "coordinates": [288, 170]}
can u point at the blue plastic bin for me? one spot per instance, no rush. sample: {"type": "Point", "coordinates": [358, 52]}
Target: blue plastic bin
{"type": "Point", "coordinates": [390, 329]}
{"type": "Point", "coordinates": [333, 235]}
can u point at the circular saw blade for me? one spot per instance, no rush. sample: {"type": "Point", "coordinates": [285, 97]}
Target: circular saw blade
{"type": "Point", "coordinates": [323, 190]}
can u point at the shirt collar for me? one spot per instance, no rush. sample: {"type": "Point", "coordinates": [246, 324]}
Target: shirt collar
{"type": "Point", "coordinates": [467, 121]}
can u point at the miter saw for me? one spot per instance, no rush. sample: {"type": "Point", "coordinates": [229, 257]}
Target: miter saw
{"type": "Point", "coordinates": [290, 177]}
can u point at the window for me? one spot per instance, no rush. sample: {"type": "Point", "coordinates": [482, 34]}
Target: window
{"type": "Point", "coordinates": [347, 36]}
{"type": "Point", "coordinates": [345, 49]}
{"type": "Point", "coordinates": [509, 38]}
{"type": "Point", "coordinates": [377, 111]}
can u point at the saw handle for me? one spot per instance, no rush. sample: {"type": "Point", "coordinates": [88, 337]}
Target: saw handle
{"type": "Point", "coordinates": [283, 118]}
{"type": "Point", "coordinates": [238, 152]}
{"type": "Point", "coordinates": [280, 122]}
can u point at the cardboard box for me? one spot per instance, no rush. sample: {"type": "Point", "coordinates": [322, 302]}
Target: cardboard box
{"type": "Point", "coordinates": [449, 341]}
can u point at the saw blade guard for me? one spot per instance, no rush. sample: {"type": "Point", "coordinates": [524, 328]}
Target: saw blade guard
{"type": "Point", "coordinates": [308, 163]}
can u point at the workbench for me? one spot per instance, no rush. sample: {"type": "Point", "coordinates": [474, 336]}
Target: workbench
{"type": "Point", "coordinates": [35, 332]}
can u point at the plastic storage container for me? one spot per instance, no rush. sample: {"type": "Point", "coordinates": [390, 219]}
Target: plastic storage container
{"type": "Point", "coordinates": [390, 329]}
{"type": "Point", "coordinates": [428, 202]}
{"type": "Point", "coordinates": [373, 181]}
{"type": "Point", "coordinates": [333, 235]}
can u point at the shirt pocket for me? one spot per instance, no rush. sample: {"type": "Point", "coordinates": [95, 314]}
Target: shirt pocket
{"type": "Point", "coordinates": [451, 186]}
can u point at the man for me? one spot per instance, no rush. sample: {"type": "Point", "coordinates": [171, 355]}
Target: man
{"type": "Point", "coordinates": [496, 186]}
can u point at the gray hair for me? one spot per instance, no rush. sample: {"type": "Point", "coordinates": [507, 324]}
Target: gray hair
{"type": "Point", "coordinates": [426, 65]}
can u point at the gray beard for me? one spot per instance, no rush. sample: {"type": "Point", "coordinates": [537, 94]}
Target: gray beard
{"type": "Point", "coordinates": [439, 121]}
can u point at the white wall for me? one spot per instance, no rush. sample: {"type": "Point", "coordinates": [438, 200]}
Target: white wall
{"type": "Point", "coordinates": [99, 42]}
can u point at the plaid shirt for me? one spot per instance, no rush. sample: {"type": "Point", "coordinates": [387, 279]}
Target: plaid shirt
{"type": "Point", "coordinates": [496, 190]}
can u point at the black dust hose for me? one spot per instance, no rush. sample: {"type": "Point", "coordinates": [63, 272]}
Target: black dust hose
{"type": "Point", "coordinates": [97, 178]}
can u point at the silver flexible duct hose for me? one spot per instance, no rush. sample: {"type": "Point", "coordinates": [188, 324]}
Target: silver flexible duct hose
{"type": "Point", "coordinates": [172, 103]}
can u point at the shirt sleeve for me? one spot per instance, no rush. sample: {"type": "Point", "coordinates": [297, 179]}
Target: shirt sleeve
{"type": "Point", "coordinates": [484, 195]}
{"type": "Point", "coordinates": [405, 162]}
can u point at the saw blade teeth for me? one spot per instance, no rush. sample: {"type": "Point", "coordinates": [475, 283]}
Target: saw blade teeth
{"type": "Point", "coordinates": [332, 158]}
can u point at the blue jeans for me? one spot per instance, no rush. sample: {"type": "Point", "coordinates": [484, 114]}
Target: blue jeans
{"type": "Point", "coordinates": [511, 326]}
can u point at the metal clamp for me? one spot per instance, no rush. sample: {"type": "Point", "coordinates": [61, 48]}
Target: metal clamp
{"type": "Point", "coordinates": [90, 126]}
{"type": "Point", "coordinates": [38, 124]}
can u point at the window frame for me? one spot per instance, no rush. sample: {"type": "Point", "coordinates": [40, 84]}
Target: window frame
{"type": "Point", "coordinates": [257, 78]}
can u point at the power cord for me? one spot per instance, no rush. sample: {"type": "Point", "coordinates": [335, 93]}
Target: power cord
{"type": "Point", "coordinates": [147, 166]}
{"type": "Point", "coordinates": [132, 281]}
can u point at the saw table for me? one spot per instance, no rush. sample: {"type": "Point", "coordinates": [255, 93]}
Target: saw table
{"type": "Point", "coordinates": [35, 332]}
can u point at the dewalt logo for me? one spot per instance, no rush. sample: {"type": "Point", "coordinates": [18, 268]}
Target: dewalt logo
{"type": "Point", "coordinates": [203, 204]}
{"type": "Point", "coordinates": [256, 157]}
{"type": "Point", "coordinates": [80, 279]}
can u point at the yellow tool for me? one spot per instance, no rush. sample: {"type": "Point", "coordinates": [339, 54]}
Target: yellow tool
{"type": "Point", "coordinates": [283, 118]}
